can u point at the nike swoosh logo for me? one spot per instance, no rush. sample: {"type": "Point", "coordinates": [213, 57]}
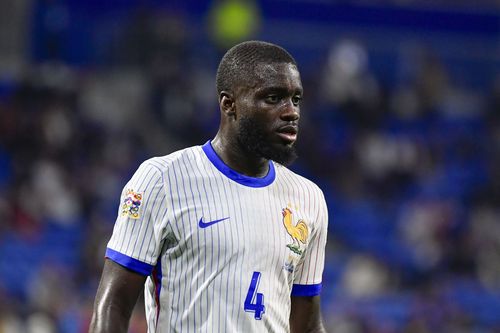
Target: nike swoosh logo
{"type": "Point", "coordinates": [202, 224]}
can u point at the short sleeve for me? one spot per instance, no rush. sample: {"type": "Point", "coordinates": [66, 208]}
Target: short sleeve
{"type": "Point", "coordinates": [307, 280]}
{"type": "Point", "coordinates": [139, 228]}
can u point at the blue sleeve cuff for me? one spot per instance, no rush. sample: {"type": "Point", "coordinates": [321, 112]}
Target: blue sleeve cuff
{"type": "Point", "coordinates": [128, 262]}
{"type": "Point", "coordinates": [306, 289]}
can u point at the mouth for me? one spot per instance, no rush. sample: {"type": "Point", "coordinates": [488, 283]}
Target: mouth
{"type": "Point", "coordinates": [288, 133]}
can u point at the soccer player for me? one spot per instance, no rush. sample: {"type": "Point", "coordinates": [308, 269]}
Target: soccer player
{"type": "Point", "coordinates": [223, 237]}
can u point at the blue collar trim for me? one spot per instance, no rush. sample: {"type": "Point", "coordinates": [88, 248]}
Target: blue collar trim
{"type": "Point", "coordinates": [232, 174]}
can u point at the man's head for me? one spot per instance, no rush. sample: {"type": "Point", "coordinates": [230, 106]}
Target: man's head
{"type": "Point", "coordinates": [259, 90]}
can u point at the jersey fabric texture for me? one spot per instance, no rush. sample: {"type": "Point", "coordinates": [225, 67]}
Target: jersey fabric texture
{"type": "Point", "coordinates": [223, 252]}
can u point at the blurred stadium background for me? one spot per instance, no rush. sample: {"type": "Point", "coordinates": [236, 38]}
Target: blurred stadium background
{"type": "Point", "coordinates": [400, 128]}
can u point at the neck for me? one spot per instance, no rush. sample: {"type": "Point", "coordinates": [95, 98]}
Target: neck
{"type": "Point", "coordinates": [238, 159]}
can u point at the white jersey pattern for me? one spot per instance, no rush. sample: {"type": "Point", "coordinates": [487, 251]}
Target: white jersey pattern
{"type": "Point", "coordinates": [223, 252]}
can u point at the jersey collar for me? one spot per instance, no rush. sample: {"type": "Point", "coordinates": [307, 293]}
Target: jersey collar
{"type": "Point", "coordinates": [234, 175]}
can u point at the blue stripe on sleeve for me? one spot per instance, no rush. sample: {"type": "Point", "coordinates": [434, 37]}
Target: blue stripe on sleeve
{"type": "Point", "coordinates": [306, 289]}
{"type": "Point", "coordinates": [128, 262]}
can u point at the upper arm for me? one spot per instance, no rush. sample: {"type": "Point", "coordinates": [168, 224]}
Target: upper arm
{"type": "Point", "coordinates": [142, 221]}
{"type": "Point", "coordinates": [133, 250]}
{"type": "Point", "coordinates": [116, 296]}
{"type": "Point", "coordinates": [308, 274]}
{"type": "Point", "coordinates": [305, 315]}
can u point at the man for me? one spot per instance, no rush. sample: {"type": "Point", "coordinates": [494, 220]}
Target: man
{"type": "Point", "coordinates": [225, 237]}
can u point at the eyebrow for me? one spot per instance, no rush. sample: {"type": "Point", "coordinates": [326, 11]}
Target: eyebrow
{"type": "Point", "coordinates": [279, 90]}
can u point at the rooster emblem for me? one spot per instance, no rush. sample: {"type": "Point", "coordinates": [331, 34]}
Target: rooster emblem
{"type": "Point", "coordinates": [299, 232]}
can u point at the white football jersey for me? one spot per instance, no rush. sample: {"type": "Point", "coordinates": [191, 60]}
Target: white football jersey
{"type": "Point", "coordinates": [223, 252]}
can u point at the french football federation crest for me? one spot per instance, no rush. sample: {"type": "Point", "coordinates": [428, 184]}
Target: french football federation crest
{"type": "Point", "coordinates": [299, 232]}
{"type": "Point", "coordinates": [131, 204]}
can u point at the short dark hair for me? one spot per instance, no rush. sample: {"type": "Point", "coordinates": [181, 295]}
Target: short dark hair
{"type": "Point", "coordinates": [240, 61]}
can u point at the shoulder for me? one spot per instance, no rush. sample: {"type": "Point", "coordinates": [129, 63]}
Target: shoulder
{"type": "Point", "coordinates": [172, 160]}
{"type": "Point", "coordinates": [288, 175]}
{"type": "Point", "coordinates": [158, 169]}
{"type": "Point", "coordinates": [311, 193]}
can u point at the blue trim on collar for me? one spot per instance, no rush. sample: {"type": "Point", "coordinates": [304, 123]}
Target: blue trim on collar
{"type": "Point", "coordinates": [238, 177]}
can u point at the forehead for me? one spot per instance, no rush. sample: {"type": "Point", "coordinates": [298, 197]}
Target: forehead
{"type": "Point", "coordinates": [279, 75]}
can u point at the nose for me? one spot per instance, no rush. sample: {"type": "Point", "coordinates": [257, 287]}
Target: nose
{"type": "Point", "coordinates": [290, 112]}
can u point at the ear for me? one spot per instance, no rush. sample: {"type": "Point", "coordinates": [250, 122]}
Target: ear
{"type": "Point", "coordinates": [226, 103]}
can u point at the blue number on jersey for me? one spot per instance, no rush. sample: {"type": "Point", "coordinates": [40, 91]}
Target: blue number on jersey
{"type": "Point", "coordinates": [254, 302]}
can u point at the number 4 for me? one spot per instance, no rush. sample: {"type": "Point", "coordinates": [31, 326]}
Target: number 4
{"type": "Point", "coordinates": [254, 302]}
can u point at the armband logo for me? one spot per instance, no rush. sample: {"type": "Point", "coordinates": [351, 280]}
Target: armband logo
{"type": "Point", "coordinates": [131, 204]}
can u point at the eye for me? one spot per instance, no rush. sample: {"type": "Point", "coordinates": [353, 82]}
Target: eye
{"type": "Point", "coordinates": [272, 99]}
{"type": "Point", "coordinates": [296, 100]}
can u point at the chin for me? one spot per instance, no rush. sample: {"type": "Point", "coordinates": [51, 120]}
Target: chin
{"type": "Point", "coordinates": [284, 154]}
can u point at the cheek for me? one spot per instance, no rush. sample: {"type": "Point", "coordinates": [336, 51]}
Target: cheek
{"type": "Point", "coordinates": [263, 114]}
{"type": "Point", "coordinates": [262, 117]}
{"type": "Point", "coordinates": [244, 108]}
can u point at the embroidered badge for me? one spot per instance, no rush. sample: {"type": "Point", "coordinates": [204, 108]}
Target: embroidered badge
{"type": "Point", "coordinates": [131, 204]}
{"type": "Point", "coordinates": [299, 231]}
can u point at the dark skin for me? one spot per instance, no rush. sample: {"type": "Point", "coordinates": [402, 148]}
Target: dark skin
{"type": "Point", "coordinates": [116, 296]}
{"type": "Point", "coordinates": [274, 101]}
